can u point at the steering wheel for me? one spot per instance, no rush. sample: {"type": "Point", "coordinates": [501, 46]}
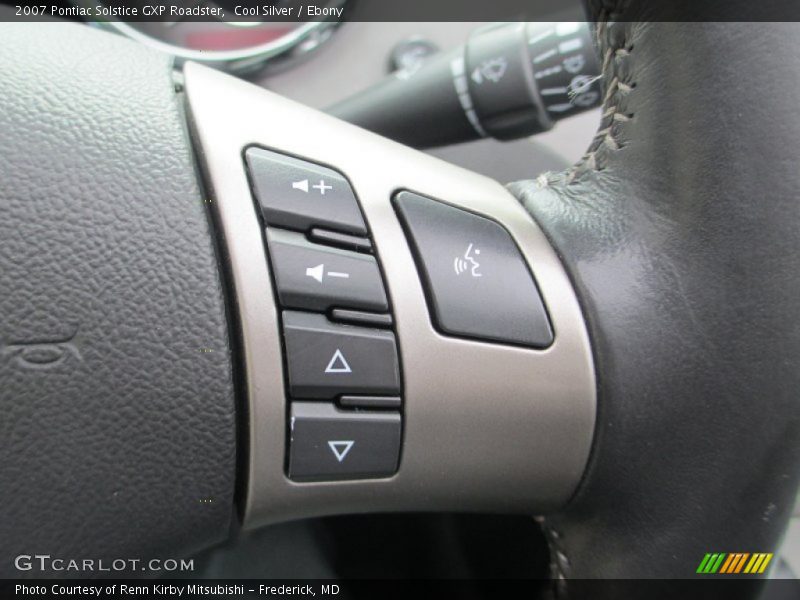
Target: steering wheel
{"type": "Point", "coordinates": [145, 354]}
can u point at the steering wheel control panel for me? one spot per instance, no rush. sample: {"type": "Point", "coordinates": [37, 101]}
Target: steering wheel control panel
{"type": "Point", "coordinates": [341, 357]}
{"type": "Point", "coordinates": [409, 339]}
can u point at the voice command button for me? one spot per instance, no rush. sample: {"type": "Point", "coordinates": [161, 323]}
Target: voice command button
{"type": "Point", "coordinates": [476, 279]}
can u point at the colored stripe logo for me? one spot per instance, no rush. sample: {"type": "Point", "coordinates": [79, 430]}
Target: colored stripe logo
{"type": "Point", "coordinates": [734, 563]}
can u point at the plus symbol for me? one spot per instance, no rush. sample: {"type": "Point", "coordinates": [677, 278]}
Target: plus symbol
{"type": "Point", "coordinates": [322, 186]}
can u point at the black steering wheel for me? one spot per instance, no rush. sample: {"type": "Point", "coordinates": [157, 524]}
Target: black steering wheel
{"type": "Point", "coordinates": [127, 369]}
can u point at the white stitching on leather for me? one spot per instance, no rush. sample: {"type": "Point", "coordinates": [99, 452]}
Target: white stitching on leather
{"type": "Point", "coordinates": [607, 138]}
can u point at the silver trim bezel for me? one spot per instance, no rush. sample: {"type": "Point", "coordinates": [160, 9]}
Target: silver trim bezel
{"type": "Point", "coordinates": [486, 427]}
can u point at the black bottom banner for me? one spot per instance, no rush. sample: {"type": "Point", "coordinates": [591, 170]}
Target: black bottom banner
{"type": "Point", "coordinates": [720, 588]}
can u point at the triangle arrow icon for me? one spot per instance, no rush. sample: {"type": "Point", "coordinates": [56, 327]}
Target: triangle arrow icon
{"type": "Point", "coordinates": [338, 364]}
{"type": "Point", "coordinates": [340, 448]}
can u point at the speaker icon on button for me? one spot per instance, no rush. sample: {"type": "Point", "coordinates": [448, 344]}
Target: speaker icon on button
{"type": "Point", "coordinates": [318, 273]}
{"type": "Point", "coordinates": [301, 185]}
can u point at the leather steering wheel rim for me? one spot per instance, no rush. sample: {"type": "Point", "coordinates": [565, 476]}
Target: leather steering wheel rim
{"type": "Point", "coordinates": [679, 230]}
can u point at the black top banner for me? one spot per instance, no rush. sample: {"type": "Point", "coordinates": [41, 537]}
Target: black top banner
{"type": "Point", "coordinates": [299, 11]}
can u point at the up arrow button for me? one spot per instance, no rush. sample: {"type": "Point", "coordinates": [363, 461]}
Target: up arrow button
{"type": "Point", "coordinates": [338, 364]}
{"type": "Point", "coordinates": [325, 360]}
